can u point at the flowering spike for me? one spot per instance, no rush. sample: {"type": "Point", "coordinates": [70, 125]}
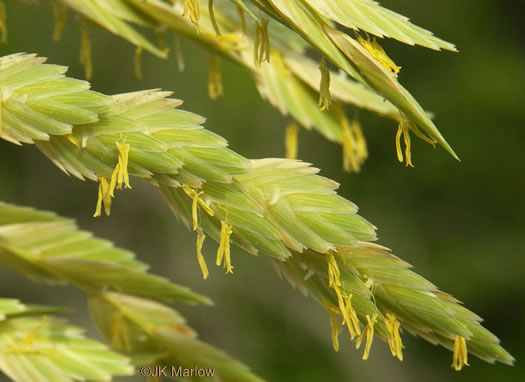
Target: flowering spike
{"type": "Point", "coordinates": [138, 63]}
{"type": "Point", "coordinates": [215, 88]}
{"type": "Point", "coordinates": [192, 9]}
{"type": "Point", "coordinates": [60, 13]}
{"type": "Point", "coordinates": [368, 332]}
{"type": "Point", "coordinates": [262, 43]}
{"type": "Point", "coordinates": [224, 247]}
{"type": "Point", "coordinates": [3, 22]}
{"type": "Point", "coordinates": [324, 89]}
{"type": "Point", "coordinates": [243, 19]}
{"type": "Point", "coordinates": [85, 52]}
{"type": "Point", "coordinates": [396, 345]}
{"type": "Point", "coordinates": [460, 356]}
{"type": "Point", "coordinates": [291, 142]}
{"type": "Point", "coordinates": [377, 52]}
{"type": "Point", "coordinates": [212, 18]}
{"type": "Point", "coordinates": [336, 329]}
{"type": "Point", "coordinates": [200, 258]}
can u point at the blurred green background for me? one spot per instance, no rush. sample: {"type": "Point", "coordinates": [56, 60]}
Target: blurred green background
{"type": "Point", "coordinates": [461, 224]}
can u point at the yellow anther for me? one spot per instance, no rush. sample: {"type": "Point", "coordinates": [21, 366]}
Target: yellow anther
{"type": "Point", "coordinates": [215, 88]}
{"type": "Point", "coordinates": [336, 329]}
{"type": "Point", "coordinates": [200, 258]}
{"type": "Point", "coordinates": [121, 169]}
{"type": "Point", "coordinates": [351, 315]}
{"type": "Point", "coordinates": [72, 139]}
{"type": "Point", "coordinates": [368, 332]}
{"type": "Point", "coordinates": [60, 13]}
{"type": "Point", "coordinates": [324, 88]}
{"type": "Point", "coordinates": [396, 345]}
{"type": "Point", "coordinates": [355, 151]}
{"type": "Point", "coordinates": [196, 201]}
{"type": "Point", "coordinates": [291, 141]}
{"type": "Point", "coordinates": [262, 43]}
{"type": "Point", "coordinates": [403, 129]}
{"type": "Point", "coordinates": [3, 22]}
{"type": "Point", "coordinates": [224, 247]}
{"type": "Point", "coordinates": [137, 61]}
{"type": "Point", "coordinates": [85, 52]}
{"type": "Point", "coordinates": [379, 54]}
{"type": "Point", "coordinates": [105, 194]}
{"type": "Point", "coordinates": [192, 9]}
{"type": "Point", "coordinates": [460, 356]}
{"type": "Point", "coordinates": [243, 19]}
{"type": "Point", "coordinates": [212, 18]}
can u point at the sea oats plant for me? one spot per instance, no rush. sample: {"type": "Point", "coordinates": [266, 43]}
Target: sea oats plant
{"type": "Point", "coordinates": [277, 207]}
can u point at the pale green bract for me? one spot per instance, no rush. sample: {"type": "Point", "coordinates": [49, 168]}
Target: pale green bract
{"type": "Point", "coordinates": [277, 207]}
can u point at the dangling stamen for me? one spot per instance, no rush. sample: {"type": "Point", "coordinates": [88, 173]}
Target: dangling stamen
{"type": "Point", "coordinates": [368, 332]}
{"type": "Point", "coordinates": [215, 88]}
{"type": "Point", "coordinates": [460, 356]}
{"type": "Point", "coordinates": [396, 345]}
{"type": "Point", "coordinates": [192, 9]}
{"type": "Point", "coordinates": [3, 22]}
{"type": "Point", "coordinates": [123, 159]}
{"type": "Point", "coordinates": [291, 141]}
{"type": "Point", "coordinates": [349, 147]}
{"type": "Point", "coordinates": [336, 329]}
{"type": "Point", "coordinates": [403, 129]}
{"type": "Point", "coordinates": [378, 53]}
{"type": "Point", "coordinates": [361, 148]}
{"type": "Point", "coordinates": [243, 19]}
{"type": "Point", "coordinates": [105, 195]}
{"type": "Point", "coordinates": [353, 324]}
{"type": "Point", "coordinates": [262, 43]}
{"type": "Point", "coordinates": [196, 201]}
{"type": "Point", "coordinates": [138, 63]}
{"type": "Point", "coordinates": [161, 38]}
{"type": "Point", "coordinates": [224, 247]}
{"type": "Point", "coordinates": [200, 258]}
{"type": "Point", "coordinates": [60, 13]}
{"type": "Point", "coordinates": [85, 52]}
{"type": "Point", "coordinates": [324, 88]}
{"type": "Point", "coordinates": [212, 18]}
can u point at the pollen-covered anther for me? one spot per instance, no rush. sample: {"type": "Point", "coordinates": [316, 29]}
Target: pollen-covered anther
{"type": "Point", "coordinates": [324, 88]}
{"type": "Point", "coordinates": [291, 140]}
{"type": "Point", "coordinates": [394, 342]}
{"type": "Point", "coordinates": [242, 17]}
{"type": "Point", "coordinates": [200, 257]}
{"type": "Point", "coordinates": [460, 356]}
{"type": "Point", "coordinates": [379, 54]}
{"type": "Point", "coordinates": [105, 196]}
{"type": "Point", "coordinates": [368, 332]}
{"type": "Point", "coordinates": [194, 207]}
{"type": "Point", "coordinates": [351, 316]}
{"type": "Point", "coordinates": [262, 43]}
{"type": "Point", "coordinates": [215, 88]}
{"type": "Point", "coordinates": [192, 9]}
{"type": "Point", "coordinates": [223, 253]}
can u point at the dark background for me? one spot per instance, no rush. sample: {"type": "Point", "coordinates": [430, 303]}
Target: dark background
{"type": "Point", "coordinates": [461, 224]}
